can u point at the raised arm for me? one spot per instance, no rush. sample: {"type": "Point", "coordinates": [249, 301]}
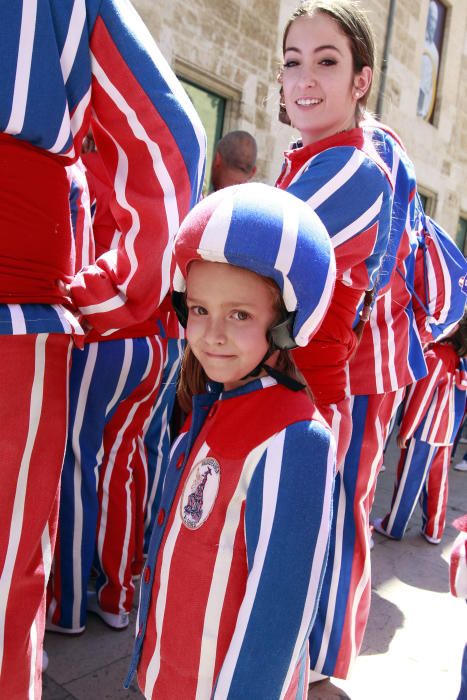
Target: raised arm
{"type": "Point", "coordinates": [153, 148]}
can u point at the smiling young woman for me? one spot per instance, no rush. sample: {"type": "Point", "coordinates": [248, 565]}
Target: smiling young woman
{"type": "Point", "coordinates": [335, 166]}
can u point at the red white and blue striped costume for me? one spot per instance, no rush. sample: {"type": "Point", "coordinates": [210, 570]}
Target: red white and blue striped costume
{"type": "Point", "coordinates": [227, 600]}
{"type": "Point", "coordinates": [346, 181]}
{"type": "Point", "coordinates": [60, 63]}
{"type": "Point", "coordinates": [433, 411]}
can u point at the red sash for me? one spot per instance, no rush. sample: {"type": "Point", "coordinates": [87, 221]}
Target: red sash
{"type": "Point", "coordinates": [36, 241]}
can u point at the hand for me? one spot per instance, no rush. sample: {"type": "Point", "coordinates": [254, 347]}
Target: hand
{"type": "Point", "coordinates": [64, 288]}
{"type": "Point", "coordinates": [401, 442]}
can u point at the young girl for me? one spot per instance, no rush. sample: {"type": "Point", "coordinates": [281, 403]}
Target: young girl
{"type": "Point", "coordinates": [237, 555]}
{"type": "Point", "coordinates": [338, 168]}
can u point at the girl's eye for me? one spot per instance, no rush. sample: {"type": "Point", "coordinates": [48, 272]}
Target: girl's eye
{"type": "Point", "coordinates": [328, 62]}
{"type": "Point", "coordinates": [197, 310]}
{"type": "Point", "coordinates": [290, 64]}
{"type": "Point", "coordinates": [240, 315]}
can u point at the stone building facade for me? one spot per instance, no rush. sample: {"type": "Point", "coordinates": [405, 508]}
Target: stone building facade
{"type": "Point", "coordinates": [229, 53]}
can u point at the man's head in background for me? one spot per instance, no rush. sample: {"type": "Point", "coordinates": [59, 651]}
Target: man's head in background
{"type": "Point", "coordinates": [234, 160]}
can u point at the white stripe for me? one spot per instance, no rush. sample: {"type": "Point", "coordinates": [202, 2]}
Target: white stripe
{"type": "Point", "coordinates": [286, 254]}
{"type": "Point", "coordinates": [272, 473]}
{"type": "Point", "coordinates": [374, 326]}
{"type": "Point", "coordinates": [155, 661]}
{"type": "Point", "coordinates": [18, 321]}
{"type": "Point", "coordinates": [343, 176]}
{"type": "Point", "coordinates": [139, 29]}
{"type": "Point", "coordinates": [391, 345]}
{"type": "Point", "coordinates": [311, 602]}
{"type": "Point", "coordinates": [402, 483]}
{"type": "Point", "coordinates": [123, 376]}
{"type": "Point", "coordinates": [413, 425]}
{"type": "Point", "coordinates": [441, 407]}
{"type": "Point", "coordinates": [73, 38]}
{"type": "Point", "coordinates": [63, 132]}
{"type": "Point", "coordinates": [161, 173]}
{"type": "Point", "coordinates": [441, 487]}
{"type": "Point", "coordinates": [23, 67]}
{"type": "Point", "coordinates": [443, 313]}
{"type": "Point", "coordinates": [77, 479]}
{"type": "Point", "coordinates": [78, 115]}
{"type": "Point", "coordinates": [307, 330]}
{"type": "Point", "coordinates": [214, 238]}
{"type": "Point", "coordinates": [359, 224]}
{"type": "Point", "coordinates": [32, 661]}
{"type": "Point", "coordinates": [221, 572]}
{"type": "Point", "coordinates": [17, 516]}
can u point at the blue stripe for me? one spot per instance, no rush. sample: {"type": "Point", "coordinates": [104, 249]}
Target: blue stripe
{"type": "Point", "coordinates": [277, 610]}
{"type": "Point", "coordinates": [39, 318]}
{"type": "Point", "coordinates": [10, 23]}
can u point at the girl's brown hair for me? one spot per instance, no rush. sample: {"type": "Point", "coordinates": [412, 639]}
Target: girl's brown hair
{"type": "Point", "coordinates": [193, 379]}
{"type": "Point", "coordinates": [354, 23]}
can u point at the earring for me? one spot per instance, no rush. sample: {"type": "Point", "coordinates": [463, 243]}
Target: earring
{"type": "Point", "coordinates": [358, 94]}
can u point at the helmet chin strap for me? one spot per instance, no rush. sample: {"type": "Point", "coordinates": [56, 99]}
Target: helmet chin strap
{"type": "Point", "coordinates": [276, 374]}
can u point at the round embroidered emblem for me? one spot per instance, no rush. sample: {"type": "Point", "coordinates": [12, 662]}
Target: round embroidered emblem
{"type": "Point", "coordinates": [200, 493]}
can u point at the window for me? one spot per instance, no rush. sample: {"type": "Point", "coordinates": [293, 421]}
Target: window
{"type": "Point", "coordinates": [461, 234]}
{"type": "Point", "coordinates": [428, 200]}
{"type": "Point", "coordinates": [428, 85]}
{"type": "Point", "coordinates": [211, 110]}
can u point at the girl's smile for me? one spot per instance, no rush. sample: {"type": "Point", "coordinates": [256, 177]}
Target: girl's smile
{"type": "Point", "coordinates": [230, 310]}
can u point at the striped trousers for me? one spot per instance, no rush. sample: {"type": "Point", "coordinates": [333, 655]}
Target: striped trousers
{"type": "Point", "coordinates": [343, 609]}
{"type": "Point", "coordinates": [422, 475]}
{"type": "Point", "coordinates": [157, 438]}
{"type": "Point", "coordinates": [33, 418]}
{"type": "Point", "coordinates": [113, 386]}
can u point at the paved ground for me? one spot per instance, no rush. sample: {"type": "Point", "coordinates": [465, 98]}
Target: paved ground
{"type": "Point", "coordinates": [412, 648]}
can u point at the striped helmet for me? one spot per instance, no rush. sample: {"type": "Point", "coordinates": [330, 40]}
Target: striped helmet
{"type": "Point", "coordinates": [272, 233]}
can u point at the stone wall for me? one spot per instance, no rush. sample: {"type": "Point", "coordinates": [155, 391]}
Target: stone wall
{"type": "Point", "coordinates": [233, 48]}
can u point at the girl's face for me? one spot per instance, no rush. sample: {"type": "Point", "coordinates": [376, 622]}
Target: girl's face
{"type": "Point", "coordinates": [320, 87]}
{"type": "Point", "coordinates": [229, 312]}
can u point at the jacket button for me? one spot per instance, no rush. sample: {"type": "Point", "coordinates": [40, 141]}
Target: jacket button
{"type": "Point", "coordinates": [161, 516]}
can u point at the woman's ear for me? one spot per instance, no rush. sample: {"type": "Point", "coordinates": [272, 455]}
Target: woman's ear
{"type": "Point", "coordinates": [280, 76]}
{"type": "Point", "coordinates": [362, 82]}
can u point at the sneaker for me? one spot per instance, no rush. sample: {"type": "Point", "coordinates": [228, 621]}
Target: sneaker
{"type": "Point", "coordinates": [461, 466]}
{"type": "Point", "coordinates": [45, 660]}
{"type": "Point", "coordinates": [377, 525]}
{"type": "Point", "coordinates": [117, 621]}
{"type": "Point", "coordinates": [58, 629]}
{"type": "Point", "coordinates": [429, 539]}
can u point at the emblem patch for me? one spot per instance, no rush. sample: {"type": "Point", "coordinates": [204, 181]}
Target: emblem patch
{"type": "Point", "coordinates": [463, 284]}
{"type": "Point", "coordinates": [200, 492]}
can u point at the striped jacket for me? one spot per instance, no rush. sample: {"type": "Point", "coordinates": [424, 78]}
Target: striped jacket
{"type": "Point", "coordinates": [345, 180]}
{"type": "Point", "coordinates": [66, 65]}
{"type": "Point", "coordinates": [390, 354]}
{"type": "Point", "coordinates": [237, 555]}
{"type": "Point", "coordinates": [434, 406]}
